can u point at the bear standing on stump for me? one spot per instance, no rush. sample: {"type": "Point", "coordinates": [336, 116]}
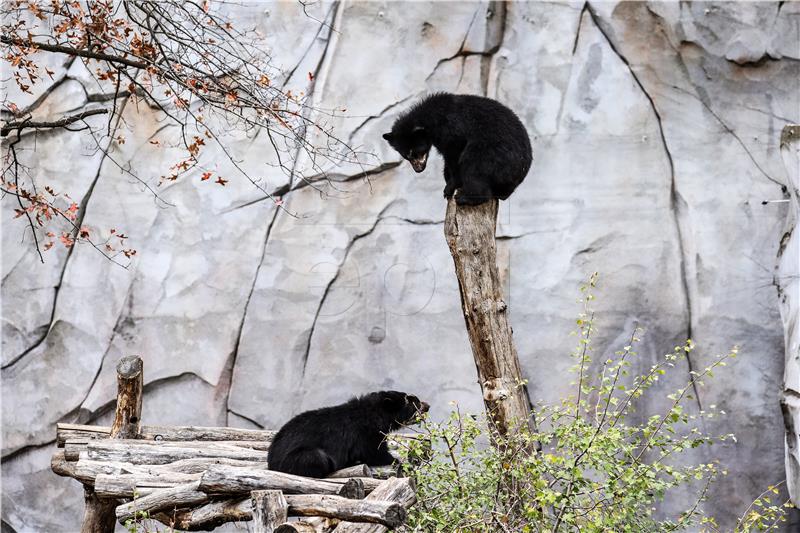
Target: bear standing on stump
{"type": "Point", "coordinates": [317, 443]}
{"type": "Point", "coordinates": [485, 147]}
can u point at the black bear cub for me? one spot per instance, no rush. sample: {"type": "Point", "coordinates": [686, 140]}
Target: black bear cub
{"type": "Point", "coordinates": [485, 147]}
{"type": "Point", "coordinates": [319, 442]}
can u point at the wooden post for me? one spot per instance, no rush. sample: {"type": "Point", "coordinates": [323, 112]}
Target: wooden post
{"type": "Point", "coordinates": [99, 515]}
{"type": "Point", "coordinates": [130, 380]}
{"type": "Point", "coordinates": [470, 234]}
{"type": "Point", "coordinates": [269, 510]}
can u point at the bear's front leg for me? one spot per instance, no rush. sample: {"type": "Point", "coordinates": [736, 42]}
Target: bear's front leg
{"type": "Point", "coordinates": [451, 182]}
{"type": "Point", "coordinates": [381, 457]}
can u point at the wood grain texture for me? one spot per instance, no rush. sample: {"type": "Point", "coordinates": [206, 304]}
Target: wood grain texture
{"type": "Point", "coordinates": [269, 510]}
{"type": "Point", "coordinates": [396, 490]}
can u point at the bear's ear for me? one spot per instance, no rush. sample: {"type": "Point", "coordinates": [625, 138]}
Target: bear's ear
{"type": "Point", "coordinates": [388, 136]}
{"type": "Point", "coordinates": [392, 401]}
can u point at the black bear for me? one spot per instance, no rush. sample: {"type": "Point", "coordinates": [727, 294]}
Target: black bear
{"type": "Point", "coordinates": [485, 147]}
{"type": "Point", "coordinates": [319, 442]}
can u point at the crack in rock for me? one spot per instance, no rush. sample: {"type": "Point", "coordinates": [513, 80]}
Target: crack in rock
{"type": "Point", "coordinates": [337, 12]}
{"type": "Point", "coordinates": [323, 24]}
{"type": "Point", "coordinates": [677, 202]}
{"type": "Point", "coordinates": [78, 224]}
{"type": "Point", "coordinates": [380, 114]}
{"type": "Point", "coordinates": [28, 447]}
{"type": "Point", "coordinates": [235, 353]}
{"type": "Point", "coordinates": [728, 129]}
{"type": "Point", "coordinates": [90, 417]}
{"type": "Point", "coordinates": [350, 245]}
{"type": "Point", "coordinates": [240, 415]}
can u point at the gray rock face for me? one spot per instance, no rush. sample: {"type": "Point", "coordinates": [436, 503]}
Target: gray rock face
{"type": "Point", "coordinates": [787, 279]}
{"type": "Point", "coordinates": [656, 130]}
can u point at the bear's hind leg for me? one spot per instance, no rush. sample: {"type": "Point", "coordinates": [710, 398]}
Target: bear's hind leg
{"type": "Point", "coordinates": [473, 194]}
{"type": "Point", "coordinates": [476, 176]}
{"type": "Point", "coordinates": [310, 463]}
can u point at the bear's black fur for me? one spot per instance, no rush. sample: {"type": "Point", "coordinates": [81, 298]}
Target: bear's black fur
{"type": "Point", "coordinates": [485, 147]}
{"type": "Point", "coordinates": [318, 442]}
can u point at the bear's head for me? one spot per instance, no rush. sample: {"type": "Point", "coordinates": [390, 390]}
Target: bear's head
{"type": "Point", "coordinates": [412, 143]}
{"type": "Point", "coordinates": [398, 409]}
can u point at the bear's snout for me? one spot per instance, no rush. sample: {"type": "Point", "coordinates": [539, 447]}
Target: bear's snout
{"type": "Point", "coordinates": [424, 407]}
{"type": "Point", "coordinates": [418, 164]}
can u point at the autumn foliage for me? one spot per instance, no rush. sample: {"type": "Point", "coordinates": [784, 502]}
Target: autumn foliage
{"type": "Point", "coordinates": [187, 60]}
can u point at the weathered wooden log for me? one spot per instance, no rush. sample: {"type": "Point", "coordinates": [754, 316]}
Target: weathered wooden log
{"type": "Point", "coordinates": [62, 467]}
{"type": "Point", "coordinates": [216, 513]}
{"type": "Point", "coordinates": [84, 433]}
{"type": "Point", "coordinates": [135, 485]}
{"type": "Point", "coordinates": [309, 525]}
{"type": "Point", "coordinates": [353, 471]}
{"type": "Point", "coordinates": [384, 472]}
{"type": "Point", "coordinates": [353, 488]}
{"type": "Point", "coordinates": [209, 516]}
{"type": "Point", "coordinates": [299, 527]}
{"type": "Point", "coordinates": [98, 515]}
{"type": "Point", "coordinates": [397, 490]}
{"type": "Point", "coordinates": [86, 470]}
{"type": "Point", "coordinates": [154, 453]}
{"type": "Point", "coordinates": [470, 234]}
{"type": "Point", "coordinates": [388, 513]}
{"type": "Point", "coordinates": [143, 484]}
{"type": "Point", "coordinates": [116, 479]}
{"type": "Point", "coordinates": [231, 480]}
{"type": "Point", "coordinates": [162, 500]}
{"type": "Point", "coordinates": [73, 449]}
{"type": "Point", "coordinates": [269, 509]}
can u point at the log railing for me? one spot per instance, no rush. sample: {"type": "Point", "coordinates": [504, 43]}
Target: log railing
{"type": "Point", "coordinates": [196, 478]}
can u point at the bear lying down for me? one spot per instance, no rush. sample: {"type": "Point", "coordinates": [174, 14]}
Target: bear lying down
{"type": "Point", "coordinates": [319, 442]}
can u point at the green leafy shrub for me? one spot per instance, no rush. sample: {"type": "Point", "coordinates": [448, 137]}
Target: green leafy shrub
{"type": "Point", "coordinates": [597, 470]}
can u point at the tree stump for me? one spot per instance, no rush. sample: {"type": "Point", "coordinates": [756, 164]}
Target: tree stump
{"type": "Point", "coordinates": [470, 234]}
{"type": "Point", "coordinates": [99, 515]}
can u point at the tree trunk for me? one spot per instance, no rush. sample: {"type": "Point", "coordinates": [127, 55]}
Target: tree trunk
{"type": "Point", "coordinates": [470, 234]}
{"type": "Point", "coordinates": [99, 515]}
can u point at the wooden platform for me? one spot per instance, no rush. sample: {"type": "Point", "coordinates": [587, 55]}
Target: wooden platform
{"type": "Point", "coordinates": [196, 478]}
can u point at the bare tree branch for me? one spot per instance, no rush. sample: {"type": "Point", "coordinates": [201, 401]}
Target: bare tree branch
{"type": "Point", "coordinates": [60, 123]}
